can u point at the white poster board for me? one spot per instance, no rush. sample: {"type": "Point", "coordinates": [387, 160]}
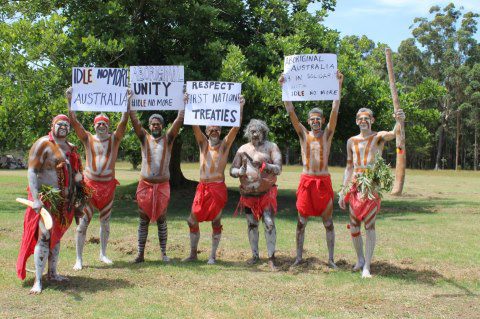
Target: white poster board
{"type": "Point", "coordinates": [99, 89]}
{"type": "Point", "coordinates": [213, 103]}
{"type": "Point", "coordinates": [157, 87]}
{"type": "Point", "coordinates": [310, 77]}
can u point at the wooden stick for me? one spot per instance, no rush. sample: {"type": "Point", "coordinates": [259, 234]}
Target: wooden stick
{"type": "Point", "coordinates": [45, 215]}
{"type": "Point", "coordinates": [400, 134]}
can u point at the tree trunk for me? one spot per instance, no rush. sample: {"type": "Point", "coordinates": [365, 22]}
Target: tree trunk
{"type": "Point", "coordinates": [287, 155]}
{"type": "Point", "coordinates": [441, 137]}
{"type": "Point", "coordinates": [475, 150]}
{"type": "Point", "coordinates": [457, 143]}
{"type": "Point", "coordinates": [176, 176]}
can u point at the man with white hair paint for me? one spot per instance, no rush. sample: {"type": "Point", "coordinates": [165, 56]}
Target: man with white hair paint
{"type": "Point", "coordinates": [257, 165]}
{"type": "Point", "coordinates": [153, 192]}
{"type": "Point", "coordinates": [315, 193]}
{"type": "Point", "coordinates": [361, 151]}
{"type": "Point", "coordinates": [101, 150]}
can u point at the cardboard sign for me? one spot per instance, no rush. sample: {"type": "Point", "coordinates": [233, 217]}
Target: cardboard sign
{"type": "Point", "coordinates": [213, 103]}
{"type": "Point", "coordinates": [157, 87]}
{"type": "Point", "coordinates": [99, 89]}
{"type": "Point", "coordinates": [310, 77]}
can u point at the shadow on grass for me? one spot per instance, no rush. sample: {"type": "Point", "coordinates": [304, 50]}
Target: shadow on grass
{"type": "Point", "coordinates": [125, 207]}
{"type": "Point", "coordinates": [80, 284]}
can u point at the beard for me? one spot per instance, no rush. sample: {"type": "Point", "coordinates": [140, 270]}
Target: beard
{"type": "Point", "coordinates": [214, 140]}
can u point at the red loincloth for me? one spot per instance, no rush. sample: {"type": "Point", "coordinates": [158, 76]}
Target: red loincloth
{"type": "Point", "coordinates": [313, 194]}
{"type": "Point", "coordinates": [361, 206]}
{"type": "Point", "coordinates": [258, 204]}
{"type": "Point", "coordinates": [103, 192]}
{"type": "Point", "coordinates": [30, 235]}
{"type": "Point", "coordinates": [153, 198]}
{"type": "Point", "coordinates": [210, 198]}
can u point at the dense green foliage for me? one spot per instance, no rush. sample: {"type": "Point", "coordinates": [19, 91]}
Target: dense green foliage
{"type": "Point", "coordinates": [437, 69]}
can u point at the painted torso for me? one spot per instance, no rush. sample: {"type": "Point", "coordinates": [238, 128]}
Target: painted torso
{"type": "Point", "coordinates": [44, 157]}
{"type": "Point", "coordinates": [315, 153]}
{"type": "Point", "coordinates": [364, 150]}
{"type": "Point", "coordinates": [213, 160]}
{"type": "Point", "coordinates": [101, 155]}
{"type": "Point", "coordinates": [256, 183]}
{"type": "Point", "coordinates": [156, 154]}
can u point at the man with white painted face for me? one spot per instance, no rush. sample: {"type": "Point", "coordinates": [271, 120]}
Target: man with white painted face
{"type": "Point", "coordinates": [361, 151]}
{"type": "Point", "coordinates": [315, 193]}
{"type": "Point", "coordinates": [211, 194]}
{"type": "Point", "coordinates": [153, 192]}
{"type": "Point", "coordinates": [257, 165]}
{"type": "Point", "coordinates": [52, 162]}
{"type": "Point", "coordinates": [101, 150]}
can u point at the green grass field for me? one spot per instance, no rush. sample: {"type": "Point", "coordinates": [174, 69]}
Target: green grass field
{"type": "Point", "coordinates": [426, 263]}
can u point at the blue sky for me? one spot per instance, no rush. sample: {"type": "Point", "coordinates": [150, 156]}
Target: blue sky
{"type": "Point", "coordinates": [386, 21]}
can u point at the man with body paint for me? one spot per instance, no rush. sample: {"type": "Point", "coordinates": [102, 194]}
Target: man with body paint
{"type": "Point", "coordinates": [153, 192]}
{"type": "Point", "coordinates": [315, 193]}
{"type": "Point", "coordinates": [257, 165]}
{"type": "Point", "coordinates": [52, 161]}
{"type": "Point", "coordinates": [211, 194]}
{"type": "Point", "coordinates": [101, 152]}
{"type": "Point", "coordinates": [361, 151]}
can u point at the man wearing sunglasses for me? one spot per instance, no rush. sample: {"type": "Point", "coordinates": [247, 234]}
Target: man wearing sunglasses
{"type": "Point", "coordinates": [315, 194]}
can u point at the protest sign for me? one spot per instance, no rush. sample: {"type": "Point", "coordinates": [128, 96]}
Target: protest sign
{"type": "Point", "coordinates": [310, 77]}
{"type": "Point", "coordinates": [157, 87]}
{"type": "Point", "coordinates": [213, 103]}
{"type": "Point", "coordinates": [99, 89]}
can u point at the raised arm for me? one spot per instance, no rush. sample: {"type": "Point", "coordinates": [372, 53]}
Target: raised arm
{"type": "Point", "coordinates": [177, 124]}
{"type": "Point", "coordinates": [77, 126]}
{"type": "Point", "coordinates": [230, 137]}
{"type": "Point", "coordinates": [137, 126]}
{"type": "Point", "coordinates": [122, 125]}
{"type": "Point", "coordinates": [332, 122]}
{"type": "Point", "coordinates": [390, 135]}
{"type": "Point", "coordinates": [347, 177]}
{"type": "Point", "coordinates": [299, 128]}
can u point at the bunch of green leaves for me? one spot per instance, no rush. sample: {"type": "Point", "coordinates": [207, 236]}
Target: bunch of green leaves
{"type": "Point", "coordinates": [377, 178]}
{"type": "Point", "coordinates": [53, 196]}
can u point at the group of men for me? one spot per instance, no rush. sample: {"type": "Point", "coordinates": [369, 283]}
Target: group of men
{"type": "Point", "coordinates": [54, 162]}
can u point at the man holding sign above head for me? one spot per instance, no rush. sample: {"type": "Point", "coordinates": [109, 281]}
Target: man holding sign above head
{"type": "Point", "coordinates": [211, 194]}
{"type": "Point", "coordinates": [257, 165]}
{"type": "Point", "coordinates": [153, 192]}
{"type": "Point", "coordinates": [101, 151]}
{"type": "Point", "coordinates": [315, 193]}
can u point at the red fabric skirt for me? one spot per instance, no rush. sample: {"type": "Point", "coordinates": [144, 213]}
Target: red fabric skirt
{"type": "Point", "coordinates": [153, 198]}
{"type": "Point", "coordinates": [313, 194]}
{"type": "Point", "coordinates": [258, 204]}
{"type": "Point", "coordinates": [210, 198]}
{"type": "Point", "coordinates": [103, 192]}
{"type": "Point", "coordinates": [30, 235]}
{"type": "Point", "coordinates": [361, 206]}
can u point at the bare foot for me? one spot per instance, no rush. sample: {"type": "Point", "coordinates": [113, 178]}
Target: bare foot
{"type": "Point", "coordinates": [139, 259]}
{"type": "Point", "coordinates": [331, 264]}
{"type": "Point", "coordinates": [165, 258]}
{"type": "Point", "coordinates": [36, 289]}
{"type": "Point", "coordinates": [359, 265]}
{"type": "Point", "coordinates": [253, 260]}
{"type": "Point", "coordinates": [211, 261]}
{"type": "Point", "coordinates": [366, 273]}
{"type": "Point", "coordinates": [104, 259]}
{"type": "Point", "coordinates": [57, 277]}
{"type": "Point", "coordinates": [271, 264]}
{"type": "Point", "coordinates": [296, 263]}
{"type": "Point", "coordinates": [78, 265]}
{"type": "Point", "coordinates": [190, 258]}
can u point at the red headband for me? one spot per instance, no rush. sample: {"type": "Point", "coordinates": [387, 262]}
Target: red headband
{"type": "Point", "coordinates": [60, 117]}
{"type": "Point", "coordinates": [99, 118]}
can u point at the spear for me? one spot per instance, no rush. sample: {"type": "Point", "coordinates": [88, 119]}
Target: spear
{"type": "Point", "coordinates": [400, 134]}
